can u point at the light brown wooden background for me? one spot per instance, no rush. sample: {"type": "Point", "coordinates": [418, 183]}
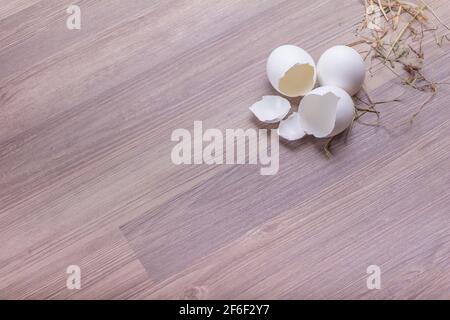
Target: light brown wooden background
{"type": "Point", "coordinates": [86, 177]}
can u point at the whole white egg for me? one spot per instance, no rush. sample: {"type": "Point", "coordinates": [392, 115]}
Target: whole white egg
{"type": "Point", "coordinates": [342, 67]}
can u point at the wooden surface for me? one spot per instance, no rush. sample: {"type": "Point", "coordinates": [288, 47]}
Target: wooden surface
{"type": "Point", "coordinates": [86, 177]}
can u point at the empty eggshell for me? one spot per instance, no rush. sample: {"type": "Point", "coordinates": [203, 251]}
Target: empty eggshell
{"type": "Point", "coordinates": [291, 71]}
{"type": "Point", "coordinates": [343, 67]}
{"type": "Point", "coordinates": [290, 129]}
{"type": "Point", "coordinates": [271, 109]}
{"type": "Point", "coordinates": [326, 111]}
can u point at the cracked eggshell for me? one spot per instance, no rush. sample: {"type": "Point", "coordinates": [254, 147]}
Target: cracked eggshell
{"type": "Point", "coordinates": [271, 109]}
{"type": "Point", "coordinates": [290, 129]}
{"type": "Point", "coordinates": [326, 111]}
{"type": "Point", "coordinates": [343, 67]}
{"type": "Point", "coordinates": [291, 71]}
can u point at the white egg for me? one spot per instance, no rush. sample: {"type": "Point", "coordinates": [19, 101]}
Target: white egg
{"type": "Point", "coordinates": [343, 67]}
{"type": "Point", "coordinates": [291, 71]}
{"type": "Point", "coordinates": [324, 112]}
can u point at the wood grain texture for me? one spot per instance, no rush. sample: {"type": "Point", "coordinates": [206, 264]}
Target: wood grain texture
{"type": "Point", "coordinates": [86, 176]}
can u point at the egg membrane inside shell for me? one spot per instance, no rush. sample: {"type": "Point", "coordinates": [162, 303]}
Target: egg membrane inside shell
{"type": "Point", "coordinates": [298, 80]}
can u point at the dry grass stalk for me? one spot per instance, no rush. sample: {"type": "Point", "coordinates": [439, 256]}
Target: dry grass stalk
{"type": "Point", "coordinates": [405, 52]}
{"type": "Point", "coordinates": [392, 33]}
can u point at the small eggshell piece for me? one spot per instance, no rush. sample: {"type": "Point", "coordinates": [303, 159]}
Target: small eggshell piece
{"type": "Point", "coordinates": [290, 129]}
{"type": "Point", "coordinates": [271, 109]}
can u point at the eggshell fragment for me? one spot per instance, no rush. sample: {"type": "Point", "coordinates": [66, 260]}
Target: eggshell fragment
{"type": "Point", "coordinates": [343, 67]}
{"type": "Point", "coordinates": [291, 71]}
{"type": "Point", "coordinates": [290, 129]}
{"type": "Point", "coordinates": [326, 111]}
{"type": "Point", "coordinates": [271, 109]}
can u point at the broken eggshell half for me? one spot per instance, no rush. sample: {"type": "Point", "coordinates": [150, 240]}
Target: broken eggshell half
{"type": "Point", "coordinates": [271, 109]}
{"type": "Point", "coordinates": [324, 112]}
{"type": "Point", "coordinates": [291, 71]}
